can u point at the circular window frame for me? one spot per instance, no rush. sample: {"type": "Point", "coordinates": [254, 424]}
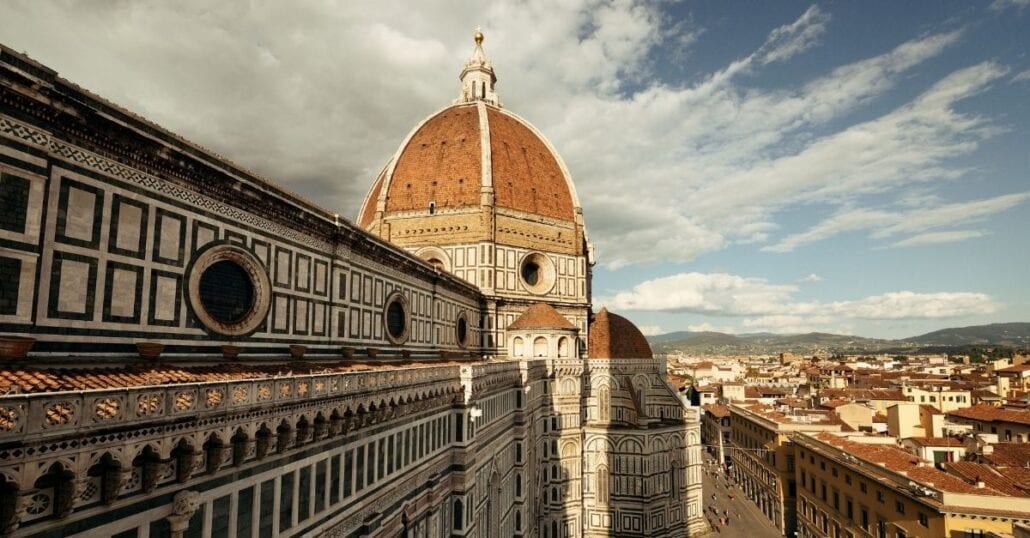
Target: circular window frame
{"type": "Point", "coordinates": [546, 276]}
{"type": "Point", "coordinates": [462, 317]}
{"type": "Point", "coordinates": [259, 280]}
{"type": "Point", "coordinates": [398, 298]}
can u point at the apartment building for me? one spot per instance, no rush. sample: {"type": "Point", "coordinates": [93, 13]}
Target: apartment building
{"type": "Point", "coordinates": [868, 486]}
{"type": "Point", "coordinates": [762, 456]}
{"type": "Point", "coordinates": [1010, 424]}
{"type": "Point", "coordinates": [716, 430]}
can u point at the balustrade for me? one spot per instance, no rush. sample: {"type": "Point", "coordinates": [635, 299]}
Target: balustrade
{"type": "Point", "coordinates": [55, 431]}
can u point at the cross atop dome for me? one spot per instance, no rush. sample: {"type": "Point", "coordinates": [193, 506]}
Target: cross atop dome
{"type": "Point", "coordinates": [477, 77]}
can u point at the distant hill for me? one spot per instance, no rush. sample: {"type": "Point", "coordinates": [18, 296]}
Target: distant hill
{"type": "Point", "coordinates": [764, 343]}
{"type": "Point", "coordinates": [678, 335]}
{"type": "Point", "coordinates": [997, 334]}
{"type": "Point", "coordinates": [1000, 334]}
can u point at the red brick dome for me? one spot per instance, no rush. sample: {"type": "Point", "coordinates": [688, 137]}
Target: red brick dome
{"type": "Point", "coordinates": [615, 337]}
{"type": "Point", "coordinates": [450, 157]}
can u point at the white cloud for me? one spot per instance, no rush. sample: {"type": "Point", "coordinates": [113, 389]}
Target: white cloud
{"type": "Point", "coordinates": [791, 324]}
{"type": "Point", "coordinates": [792, 39]}
{"type": "Point", "coordinates": [709, 328]}
{"type": "Point", "coordinates": [910, 305]}
{"type": "Point", "coordinates": [705, 293]}
{"type": "Point", "coordinates": [719, 161]}
{"type": "Point", "coordinates": [650, 330]}
{"type": "Point", "coordinates": [909, 144]}
{"type": "Point", "coordinates": [1001, 5]}
{"type": "Point", "coordinates": [773, 306]}
{"type": "Point", "coordinates": [812, 278]}
{"type": "Point", "coordinates": [1021, 76]}
{"type": "Point", "coordinates": [885, 224]}
{"type": "Point", "coordinates": [859, 219]}
{"type": "Point", "coordinates": [937, 238]}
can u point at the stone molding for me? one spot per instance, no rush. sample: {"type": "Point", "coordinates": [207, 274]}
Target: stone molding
{"type": "Point", "coordinates": [42, 416]}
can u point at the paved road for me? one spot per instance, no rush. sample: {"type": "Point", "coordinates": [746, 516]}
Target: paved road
{"type": "Point", "coordinates": [746, 520]}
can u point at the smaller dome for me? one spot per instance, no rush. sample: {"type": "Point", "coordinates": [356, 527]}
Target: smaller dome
{"type": "Point", "coordinates": [541, 316]}
{"type": "Point", "coordinates": [615, 337]}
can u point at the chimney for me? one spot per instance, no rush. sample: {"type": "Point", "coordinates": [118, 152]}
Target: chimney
{"type": "Point", "coordinates": [979, 482]}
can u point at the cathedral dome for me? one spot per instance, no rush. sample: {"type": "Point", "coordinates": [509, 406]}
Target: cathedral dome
{"type": "Point", "coordinates": [453, 156]}
{"type": "Point", "coordinates": [615, 337]}
{"type": "Point", "coordinates": [471, 154]}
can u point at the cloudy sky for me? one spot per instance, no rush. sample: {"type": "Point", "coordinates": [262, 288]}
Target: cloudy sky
{"type": "Point", "coordinates": [859, 167]}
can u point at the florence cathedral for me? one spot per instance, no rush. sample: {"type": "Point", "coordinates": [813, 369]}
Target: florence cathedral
{"type": "Point", "coordinates": [191, 350]}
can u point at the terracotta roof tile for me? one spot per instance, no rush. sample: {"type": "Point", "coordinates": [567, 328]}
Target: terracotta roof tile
{"type": "Point", "coordinates": [717, 410]}
{"type": "Point", "coordinates": [992, 478]}
{"type": "Point", "coordinates": [815, 417]}
{"type": "Point", "coordinates": [368, 212]}
{"type": "Point", "coordinates": [987, 413]}
{"type": "Point", "coordinates": [541, 316]}
{"type": "Point", "coordinates": [1019, 368]}
{"type": "Point", "coordinates": [937, 441]}
{"type": "Point", "coordinates": [443, 159]}
{"type": "Point", "coordinates": [864, 394]}
{"type": "Point", "coordinates": [526, 173]}
{"type": "Point", "coordinates": [1009, 455]}
{"type": "Point", "coordinates": [900, 461]}
{"type": "Point", "coordinates": [441, 163]}
{"type": "Point", "coordinates": [615, 337]}
{"type": "Point", "coordinates": [930, 409]}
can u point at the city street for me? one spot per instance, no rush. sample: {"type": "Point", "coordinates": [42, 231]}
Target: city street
{"type": "Point", "coordinates": [746, 520]}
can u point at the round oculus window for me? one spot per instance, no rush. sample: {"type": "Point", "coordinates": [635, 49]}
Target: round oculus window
{"type": "Point", "coordinates": [228, 290]}
{"type": "Point", "coordinates": [537, 273]}
{"type": "Point", "coordinates": [396, 318]}
{"type": "Point", "coordinates": [461, 330]}
{"type": "Point", "coordinates": [531, 273]}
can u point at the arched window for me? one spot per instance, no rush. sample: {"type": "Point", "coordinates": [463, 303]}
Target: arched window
{"type": "Point", "coordinates": [563, 347]}
{"type": "Point", "coordinates": [518, 485]}
{"type": "Point", "coordinates": [554, 495]}
{"type": "Point", "coordinates": [602, 484]}
{"type": "Point", "coordinates": [457, 515]}
{"type": "Point", "coordinates": [518, 347]}
{"type": "Point", "coordinates": [183, 455]}
{"type": "Point", "coordinates": [241, 443]}
{"type": "Point", "coordinates": [107, 471]}
{"type": "Point", "coordinates": [518, 520]}
{"type": "Point", "coordinates": [554, 529]}
{"type": "Point", "coordinates": [56, 493]}
{"type": "Point", "coordinates": [604, 403]}
{"type": "Point", "coordinates": [540, 347]}
{"type": "Point", "coordinates": [150, 468]}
